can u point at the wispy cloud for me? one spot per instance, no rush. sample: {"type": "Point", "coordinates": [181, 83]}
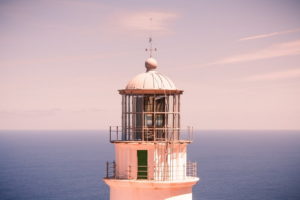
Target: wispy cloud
{"type": "Point", "coordinates": [278, 75]}
{"type": "Point", "coordinates": [267, 35]}
{"type": "Point", "coordinates": [276, 50]}
{"type": "Point", "coordinates": [141, 21]}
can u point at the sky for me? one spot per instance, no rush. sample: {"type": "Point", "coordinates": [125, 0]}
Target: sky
{"type": "Point", "coordinates": [62, 62]}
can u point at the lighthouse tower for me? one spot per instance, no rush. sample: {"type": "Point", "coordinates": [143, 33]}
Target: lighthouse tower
{"type": "Point", "coordinates": [150, 147]}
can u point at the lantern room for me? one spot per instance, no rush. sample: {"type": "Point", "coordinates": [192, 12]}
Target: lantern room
{"type": "Point", "coordinates": [150, 107]}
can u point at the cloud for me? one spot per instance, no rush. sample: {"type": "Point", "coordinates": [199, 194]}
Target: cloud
{"type": "Point", "coordinates": [276, 50]}
{"type": "Point", "coordinates": [279, 75]}
{"type": "Point", "coordinates": [267, 35]}
{"type": "Point", "coordinates": [141, 21]}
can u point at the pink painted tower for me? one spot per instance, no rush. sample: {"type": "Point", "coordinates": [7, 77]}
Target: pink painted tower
{"type": "Point", "coordinates": [150, 147]}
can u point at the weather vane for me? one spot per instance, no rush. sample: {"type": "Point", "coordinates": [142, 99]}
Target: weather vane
{"type": "Point", "coordinates": [150, 49]}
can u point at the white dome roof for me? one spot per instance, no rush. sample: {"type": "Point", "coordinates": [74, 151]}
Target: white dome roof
{"type": "Point", "coordinates": [151, 79]}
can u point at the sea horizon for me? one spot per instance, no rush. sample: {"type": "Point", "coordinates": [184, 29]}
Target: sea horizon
{"type": "Point", "coordinates": [70, 164]}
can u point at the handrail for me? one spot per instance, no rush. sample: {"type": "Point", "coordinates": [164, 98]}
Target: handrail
{"type": "Point", "coordinates": [156, 173]}
{"type": "Point", "coordinates": [167, 134]}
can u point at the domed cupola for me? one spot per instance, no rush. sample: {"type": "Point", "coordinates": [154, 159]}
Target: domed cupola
{"type": "Point", "coordinates": [151, 79]}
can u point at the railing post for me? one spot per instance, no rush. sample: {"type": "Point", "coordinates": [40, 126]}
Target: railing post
{"type": "Point", "coordinates": [192, 138]}
{"type": "Point", "coordinates": [114, 169]}
{"type": "Point", "coordinates": [195, 169]}
{"type": "Point", "coordinates": [110, 133]}
{"type": "Point", "coordinates": [117, 132]}
{"type": "Point", "coordinates": [107, 168]}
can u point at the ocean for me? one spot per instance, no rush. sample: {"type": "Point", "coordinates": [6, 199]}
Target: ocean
{"type": "Point", "coordinates": [69, 165]}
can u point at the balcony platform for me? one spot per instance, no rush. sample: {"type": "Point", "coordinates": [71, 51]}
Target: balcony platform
{"type": "Point", "coordinates": [149, 142]}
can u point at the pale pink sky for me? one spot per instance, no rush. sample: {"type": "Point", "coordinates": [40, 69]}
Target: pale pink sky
{"type": "Point", "coordinates": [62, 62]}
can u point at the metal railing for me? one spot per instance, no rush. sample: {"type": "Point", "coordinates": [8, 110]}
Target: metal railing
{"type": "Point", "coordinates": [110, 169]}
{"type": "Point", "coordinates": [150, 134]}
{"type": "Point", "coordinates": [156, 173]}
{"type": "Point", "coordinates": [191, 169]}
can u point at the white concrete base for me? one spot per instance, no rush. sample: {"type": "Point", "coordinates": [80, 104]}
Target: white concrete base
{"type": "Point", "coordinates": [150, 190]}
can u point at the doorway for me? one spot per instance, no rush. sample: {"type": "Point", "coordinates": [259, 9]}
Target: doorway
{"type": "Point", "coordinates": [142, 164]}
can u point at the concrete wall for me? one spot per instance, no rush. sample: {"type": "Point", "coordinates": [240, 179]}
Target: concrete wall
{"type": "Point", "coordinates": [165, 161]}
{"type": "Point", "coordinates": [143, 190]}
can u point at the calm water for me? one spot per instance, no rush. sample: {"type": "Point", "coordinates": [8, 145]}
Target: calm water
{"type": "Point", "coordinates": [233, 165]}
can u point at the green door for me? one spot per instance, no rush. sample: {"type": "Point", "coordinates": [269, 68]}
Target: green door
{"type": "Point", "coordinates": [142, 160]}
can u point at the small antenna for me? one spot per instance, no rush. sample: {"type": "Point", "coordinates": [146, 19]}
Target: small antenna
{"type": "Point", "coordinates": [150, 49]}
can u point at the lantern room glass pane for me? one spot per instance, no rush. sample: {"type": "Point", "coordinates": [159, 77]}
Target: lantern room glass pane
{"type": "Point", "coordinates": [160, 104]}
{"type": "Point", "coordinates": [148, 104]}
{"type": "Point", "coordinates": [149, 120]}
{"type": "Point", "coordinates": [160, 120]}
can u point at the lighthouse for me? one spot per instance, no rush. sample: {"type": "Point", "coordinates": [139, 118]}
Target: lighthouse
{"type": "Point", "coordinates": [150, 146]}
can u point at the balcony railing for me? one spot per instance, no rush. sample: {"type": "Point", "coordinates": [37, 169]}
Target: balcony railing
{"type": "Point", "coordinates": [155, 173]}
{"type": "Point", "coordinates": [110, 169]}
{"type": "Point", "coordinates": [150, 134]}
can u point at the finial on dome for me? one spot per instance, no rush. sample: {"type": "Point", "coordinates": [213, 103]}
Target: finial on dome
{"type": "Point", "coordinates": [150, 64]}
{"type": "Point", "coordinates": [150, 49]}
